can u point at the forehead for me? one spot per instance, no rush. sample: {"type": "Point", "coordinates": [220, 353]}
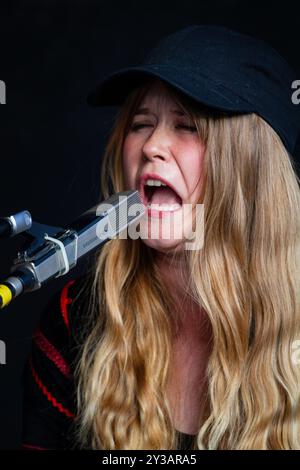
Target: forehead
{"type": "Point", "coordinates": [158, 97]}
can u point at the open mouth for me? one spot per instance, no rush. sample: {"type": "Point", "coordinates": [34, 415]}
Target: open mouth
{"type": "Point", "coordinates": [162, 198]}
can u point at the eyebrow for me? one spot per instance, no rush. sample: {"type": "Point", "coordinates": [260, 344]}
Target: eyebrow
{"type": "Point", "coordinates": [146, 111]}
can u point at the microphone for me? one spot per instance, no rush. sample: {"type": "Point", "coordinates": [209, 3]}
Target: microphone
{"type": "Point", "coordinates": [52, 256]}
{"type": "Point", "coordinates": [17, 223]}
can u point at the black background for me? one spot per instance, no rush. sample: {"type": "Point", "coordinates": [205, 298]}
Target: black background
{"type": "Point", "coordinates": [51, 54]}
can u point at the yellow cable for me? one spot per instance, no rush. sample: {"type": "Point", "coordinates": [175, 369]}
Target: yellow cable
{"type": "Point", "coordinates": [5, 295]}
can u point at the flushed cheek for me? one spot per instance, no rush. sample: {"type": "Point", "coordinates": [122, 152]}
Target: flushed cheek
{"type": "Point", "coordinates": [130, 164]}
{"type": "Point", "coordinates": [126, 170]}
{"type": "Point", "coordinates": [192, 170]}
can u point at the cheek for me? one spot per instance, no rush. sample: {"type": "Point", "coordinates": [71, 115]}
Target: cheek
{"type": "Point", "coordinates": [129, 160]}
{"type": "Point", "coordinates": [192, 168]}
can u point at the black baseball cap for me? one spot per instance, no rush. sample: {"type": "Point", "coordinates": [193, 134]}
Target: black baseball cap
{"type": "Point", "coordinates": [220, 68]}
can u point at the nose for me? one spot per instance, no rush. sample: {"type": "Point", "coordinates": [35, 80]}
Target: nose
{"type": "Point", "coordinates": [158, 144]}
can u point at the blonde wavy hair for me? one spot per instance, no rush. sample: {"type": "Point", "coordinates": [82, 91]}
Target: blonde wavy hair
{"type": "Point", "coordinates": [246, 277]}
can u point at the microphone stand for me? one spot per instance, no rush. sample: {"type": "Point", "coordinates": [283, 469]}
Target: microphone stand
{"type": "Point", "coordinates": [50, 252]}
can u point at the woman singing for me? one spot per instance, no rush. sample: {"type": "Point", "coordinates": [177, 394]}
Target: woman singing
{"type": "Point", "coordinates": [163, 345]}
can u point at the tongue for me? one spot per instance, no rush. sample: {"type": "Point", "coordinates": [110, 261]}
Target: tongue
{"type": "Point", "coordinates": [164, 195]}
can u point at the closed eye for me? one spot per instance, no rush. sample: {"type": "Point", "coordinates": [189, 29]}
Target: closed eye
{"type": "Point", "coordinates": [136, 127]}
{"type": "Point", "coordinates": [189, 128]}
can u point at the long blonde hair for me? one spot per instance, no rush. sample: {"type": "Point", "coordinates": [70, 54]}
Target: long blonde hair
{"type": "Point", "coordinates": [246, 277]}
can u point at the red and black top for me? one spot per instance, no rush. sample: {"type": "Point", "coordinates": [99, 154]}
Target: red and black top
{"type": "Point", "coordinates": [49, 407]}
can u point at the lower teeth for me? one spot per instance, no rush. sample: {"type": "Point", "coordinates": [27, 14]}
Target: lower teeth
{"type": "Point", "coordinates": [164, 207]}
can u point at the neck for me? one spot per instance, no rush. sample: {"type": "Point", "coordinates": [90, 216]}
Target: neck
{"type": "Point", "coordinates": [191, 319]}
{"type": "Point", "coordinates": [174, 273]}
{"type": "Point", "coordinates": [171, 265]}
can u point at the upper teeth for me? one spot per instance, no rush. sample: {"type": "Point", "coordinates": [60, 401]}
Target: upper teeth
{"type": "Point", "coordinates": [150, 182]}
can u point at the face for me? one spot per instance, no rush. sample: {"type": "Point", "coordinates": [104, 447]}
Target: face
{"type": "Point", "coordinates": [162, 144]}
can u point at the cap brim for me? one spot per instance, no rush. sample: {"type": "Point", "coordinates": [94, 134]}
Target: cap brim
{"type": "Point", "coordinates": [113, 90]}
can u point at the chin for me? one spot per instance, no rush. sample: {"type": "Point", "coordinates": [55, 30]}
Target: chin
{"type": "Point", "coordinates": [164, 246]}
{"type": "Point", "coordinates": [163, 234]}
